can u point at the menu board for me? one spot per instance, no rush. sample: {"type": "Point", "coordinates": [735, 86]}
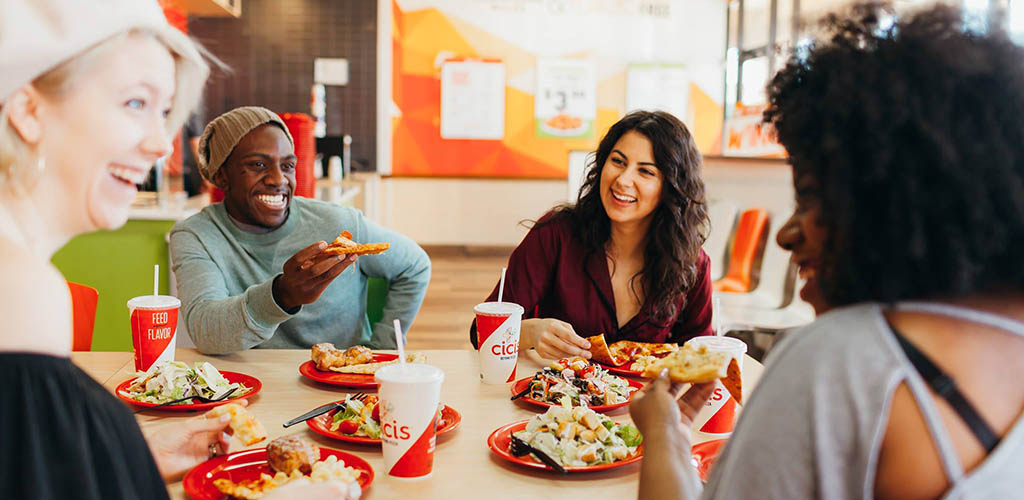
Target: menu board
{"type": "Point", "coordinates": [472, 99]}
{"type": "Point", "coordinates": [565, 104]}
{"type": "Point", "coordinates": [664, 87]}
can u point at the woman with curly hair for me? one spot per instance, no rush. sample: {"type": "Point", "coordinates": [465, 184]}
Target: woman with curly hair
{"type": "Point", "coordinates": [905, 141]}
{"type": "Point", "coordinates": [626, 259]}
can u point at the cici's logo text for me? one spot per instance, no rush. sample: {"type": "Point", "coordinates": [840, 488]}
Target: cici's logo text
{"type": "Point", "coordinates": [505, 348]}
{"type": "Point", "coordinates": [394, 431]}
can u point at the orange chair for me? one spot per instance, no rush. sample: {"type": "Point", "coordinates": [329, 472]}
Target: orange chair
{"type": "Point", "coordinates": [83, 307]}
{"type": "Point", "coordinates": [748, 243]}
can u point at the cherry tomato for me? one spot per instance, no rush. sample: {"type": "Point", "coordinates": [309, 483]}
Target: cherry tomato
{"type": "Point", "coordinates": [348, 427]}
{"type": "Point", "coordinates": [588, 371]}
{"type": "Point", "coordinates": [376, 413]}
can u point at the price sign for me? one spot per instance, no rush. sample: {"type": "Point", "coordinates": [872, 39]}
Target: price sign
{"type": "Point", "coordinates": [565, 104]}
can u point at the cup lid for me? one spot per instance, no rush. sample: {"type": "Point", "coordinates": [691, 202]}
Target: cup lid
{"type": "Point", "coordinates": [718, 343]}
{"type": "Point", "coordinates": [499, 308]}
{"type": "Point", "coordinates": [153, 302]}
{"type": "Point", "coordinates": [409, 373]}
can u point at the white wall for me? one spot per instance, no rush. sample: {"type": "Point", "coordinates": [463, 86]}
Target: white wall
{"type": "Point", "coordinates": [459, 211]}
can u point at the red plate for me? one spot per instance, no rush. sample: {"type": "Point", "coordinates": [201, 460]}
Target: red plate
{"type": "Point", "coordinates": [356, 380]}
{"type": "Point", "coordinates": [704, 456]}
{"type": "Point", "coordinates": [521, 384]}
{"type": "Point", "coordinates": [322, 425]}
{"type": "Point", "coordinates": [625, 372]}
{"type": "Point", "coordinates": [499, 441]}
{"type": "Point", "coordinates": [249, 464]}
{"type": "Point", "coordinates": [241, 378]}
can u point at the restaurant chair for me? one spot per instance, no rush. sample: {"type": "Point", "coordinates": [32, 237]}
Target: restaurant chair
{"type": "Point", "coordinates": [722, 215]}
{"type": "Point", "coordinates": [775, 288]}
{"type": "Point", "coordinates": [83, 307]}
{"type": "Point", "coordinates": [376, 297]}
{"type": "Point", "coordinates": [744, 256]}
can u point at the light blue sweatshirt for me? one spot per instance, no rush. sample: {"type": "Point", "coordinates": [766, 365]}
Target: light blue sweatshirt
{"type": "Point", "coordinates": [225, 277]}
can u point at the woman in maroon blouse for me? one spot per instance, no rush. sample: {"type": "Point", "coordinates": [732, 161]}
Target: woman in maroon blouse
{"type": "Point", "coordinates": [626, 259]}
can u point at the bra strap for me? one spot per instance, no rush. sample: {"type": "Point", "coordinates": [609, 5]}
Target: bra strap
{"type": "Point", "coordinates": [945, 386]}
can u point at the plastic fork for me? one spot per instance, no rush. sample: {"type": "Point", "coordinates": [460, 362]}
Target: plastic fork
{"type": "Point", "coordinates": [199, 399]}
{"type": "Point", "coordinates": [359, 396]}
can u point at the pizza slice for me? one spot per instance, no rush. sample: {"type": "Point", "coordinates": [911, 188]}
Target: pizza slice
{"type": "Point", "coordinates": [632, 351]}
{"type": "Point", "coordinates": [326, 356]}
{"type": "Point", "coordinates": [698, 365]}
{"type": "Point", "coordinates": [600, 353]}
{"type": "Point", "coordinates": [245, 427]}
{"type": "Point", "coordinates": [371, 368]}
{"type": "Point", "coordinates": [343, 245]}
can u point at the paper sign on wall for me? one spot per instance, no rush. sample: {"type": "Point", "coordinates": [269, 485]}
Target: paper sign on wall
{"type": "Point", "coordinates": [747, 135]}
{"type": "Point", "coordinates": [565, 104]}
{"type": "Point", "coordinates": [330, 71]}
{"type": "Point", "coordinates": [472, 100]}
{"type": "Point", "coordinates": [664, 87]}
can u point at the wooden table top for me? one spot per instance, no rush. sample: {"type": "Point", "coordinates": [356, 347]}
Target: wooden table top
{"type": "Point", "coordinates": [463, 464]}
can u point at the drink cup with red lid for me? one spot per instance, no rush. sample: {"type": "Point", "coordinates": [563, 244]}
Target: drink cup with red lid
{"type": "Point", "coordinates": [410, 395]}
{"type": "Point", "coordinates": [154, 321]}
{"type": "Point", "coordinates": [717, 418]}
{"type": "Point", "coordinates": [497, 326]}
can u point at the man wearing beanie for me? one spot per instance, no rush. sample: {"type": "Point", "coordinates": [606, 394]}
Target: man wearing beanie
{"type": "Point", "coordinates": [251, 271]}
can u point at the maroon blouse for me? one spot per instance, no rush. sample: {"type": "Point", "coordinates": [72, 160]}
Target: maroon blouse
{"type": "Point", "coordinates": [551, 275]}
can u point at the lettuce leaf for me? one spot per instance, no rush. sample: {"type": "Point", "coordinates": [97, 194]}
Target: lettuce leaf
{"type": "Point", "coordinates": [630, 435]}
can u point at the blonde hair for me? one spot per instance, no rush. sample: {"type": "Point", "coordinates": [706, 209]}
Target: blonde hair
{"type": "Point", "coordinates": [17, 160]}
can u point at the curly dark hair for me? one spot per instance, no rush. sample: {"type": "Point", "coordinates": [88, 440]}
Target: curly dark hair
{"type": "Point", "coordinates": [913, 132]}
{"type": "Point", "coordinates": [680, 223]}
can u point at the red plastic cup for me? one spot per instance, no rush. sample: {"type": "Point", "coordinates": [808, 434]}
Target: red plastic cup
{"type": "Point", "coordinates": [154, 325]}
{"type": "Point", "coordinates": [497, 327]}
{"type": "Point", "coordinates": [718, 417]}
{"type": "Point", "coordinates": [410, 394]}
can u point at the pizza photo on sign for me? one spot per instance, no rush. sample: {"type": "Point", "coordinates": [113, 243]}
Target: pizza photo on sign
{"type": "Point", "coordinates": [343, 245]}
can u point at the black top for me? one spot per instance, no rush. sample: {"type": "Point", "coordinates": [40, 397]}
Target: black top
{"type": "Point", "coordinates": [64, 436]}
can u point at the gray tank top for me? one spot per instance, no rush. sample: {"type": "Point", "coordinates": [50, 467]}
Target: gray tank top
{"type": "Point", "coordinates": [814, 426]}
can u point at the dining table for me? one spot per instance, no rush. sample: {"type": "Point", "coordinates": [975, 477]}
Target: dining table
{"type": "Point", "coordinates": [464, 466]}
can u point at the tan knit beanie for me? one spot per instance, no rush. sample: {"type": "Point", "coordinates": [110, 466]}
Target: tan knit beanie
{"type": "Point", "coordinates": [222, 135]}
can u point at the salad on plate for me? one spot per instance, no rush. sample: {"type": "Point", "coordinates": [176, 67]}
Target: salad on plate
{"type": "Point", "coordinates": [579, 381]}
{"type": "Point", "coordinates": [172, 380]}
{"type": "Point", "coordinates": [580, 437]}
{"type": "Point", "coordinates": [362, 418]}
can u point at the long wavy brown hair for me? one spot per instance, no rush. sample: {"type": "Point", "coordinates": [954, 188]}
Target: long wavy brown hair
{"type": "Point", "coordinates": [680, 224]}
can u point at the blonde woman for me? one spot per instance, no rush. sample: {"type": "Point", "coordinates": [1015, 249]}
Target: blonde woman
{"type": "Point", "coordinates": [90, 95]}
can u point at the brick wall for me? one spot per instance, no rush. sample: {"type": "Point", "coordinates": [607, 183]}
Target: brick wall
{"type": "Point", "coordinates": [271, 49]}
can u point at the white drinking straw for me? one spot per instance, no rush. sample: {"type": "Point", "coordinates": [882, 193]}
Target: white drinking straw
{"type": "Point", "coordinates": [716, 312]}
{"type": "Point", "coordinates": [156, 279]}
{"type": "Point", "coordinates": [398, 341]}
{"type": "Point", "coordinates": [501, 286]}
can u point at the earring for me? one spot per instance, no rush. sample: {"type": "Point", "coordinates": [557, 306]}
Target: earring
{"type": "Point", "coordinates": [40, 165]}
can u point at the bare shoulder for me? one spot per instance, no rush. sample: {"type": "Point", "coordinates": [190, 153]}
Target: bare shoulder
{"type": "Point", "coordinates": [35, 303]}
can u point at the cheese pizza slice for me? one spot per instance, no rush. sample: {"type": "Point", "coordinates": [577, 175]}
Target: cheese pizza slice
{"type": "Point", "coordinates": [600, 353]}
{"type": "Point", "coordinates": [371, 368]}
{"type": "Point", "coordinates": [343, 245]}
{"type": "Point", "coordinates": [698, 365]}
{"type": "Point", "coordinates": [245, 427]}
{"type": "Point", "coordinates": [631, 351]}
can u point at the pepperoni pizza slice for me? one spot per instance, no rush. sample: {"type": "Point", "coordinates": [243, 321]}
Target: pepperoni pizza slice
{"type": "Point", "coordinates": [343, 245]}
